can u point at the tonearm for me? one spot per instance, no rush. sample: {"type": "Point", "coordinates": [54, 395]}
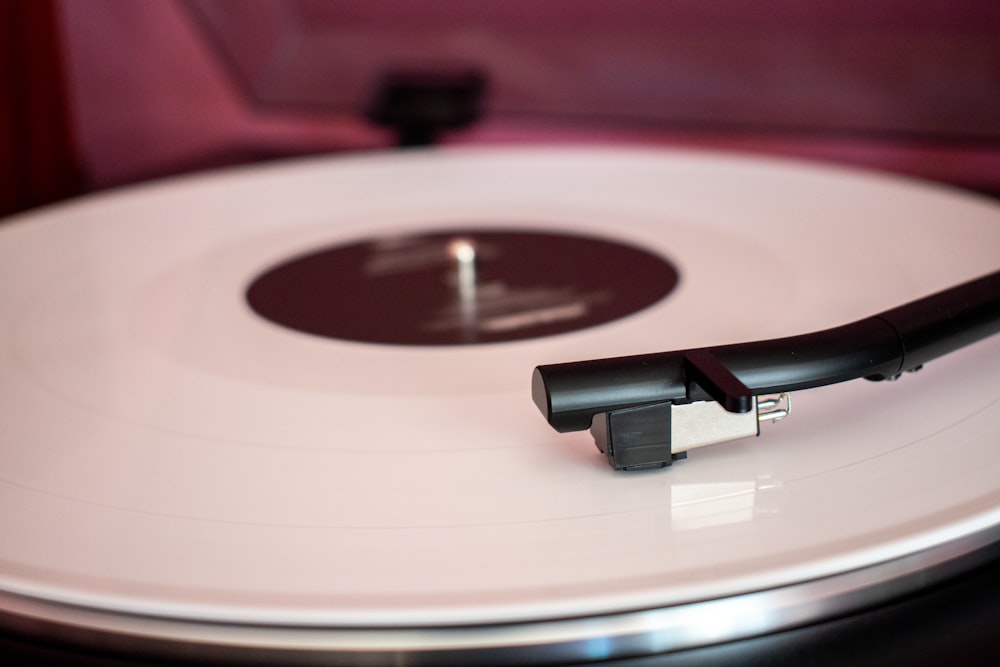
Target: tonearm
{"type": "Point", "coordinates": [648, 410]}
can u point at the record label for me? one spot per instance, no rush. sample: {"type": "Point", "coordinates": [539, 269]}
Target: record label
{"type": "Point", "coordinates": [461, 287]}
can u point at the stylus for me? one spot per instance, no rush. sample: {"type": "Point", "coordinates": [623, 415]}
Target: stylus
{"type": "Point", "coordinates": [627, 402]}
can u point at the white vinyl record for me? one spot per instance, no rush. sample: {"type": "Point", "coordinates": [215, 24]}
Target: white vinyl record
{"type": "Point", "coordinates": [170, 455]}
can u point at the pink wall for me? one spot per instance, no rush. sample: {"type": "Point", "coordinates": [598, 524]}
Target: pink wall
{"type": "Point", "coordinates": [910, 87]}
{"type": "Point", "coordinates": [150, 98]}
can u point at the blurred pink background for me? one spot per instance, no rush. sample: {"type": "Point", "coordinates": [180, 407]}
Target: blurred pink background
{"type": "Point", "coordinates": [159, 88]}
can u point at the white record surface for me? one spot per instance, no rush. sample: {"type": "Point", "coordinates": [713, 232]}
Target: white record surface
{"type": "Point", "coordinates": [167, 452]}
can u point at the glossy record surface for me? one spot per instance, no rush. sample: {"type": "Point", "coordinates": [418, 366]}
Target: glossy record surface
{"type": "Point", "coordinates": [167, 452]}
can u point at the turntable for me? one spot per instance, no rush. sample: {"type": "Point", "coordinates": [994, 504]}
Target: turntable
{"type": "Point", "coordinates": [289, 413]}
{"type": "Point", "coordinates": [183, 468]}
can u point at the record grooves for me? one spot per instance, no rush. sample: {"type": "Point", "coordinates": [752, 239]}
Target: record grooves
{"type": "Point", "coordinates": [275, 404]}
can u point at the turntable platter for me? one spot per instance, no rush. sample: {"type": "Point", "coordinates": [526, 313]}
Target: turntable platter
{"type": "Point", "coordinates": [170, 455]}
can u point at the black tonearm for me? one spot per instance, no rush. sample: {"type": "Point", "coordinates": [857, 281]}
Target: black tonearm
{"type": "Point", "coordinates": [647, 410]}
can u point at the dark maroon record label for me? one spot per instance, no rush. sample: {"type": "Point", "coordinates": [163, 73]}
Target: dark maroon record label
{"type": "Point", "coordinates": [461, 287]}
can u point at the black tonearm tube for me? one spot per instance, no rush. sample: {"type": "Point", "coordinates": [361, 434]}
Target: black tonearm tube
{"type": "Point", "coordinates": [648, 410]}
